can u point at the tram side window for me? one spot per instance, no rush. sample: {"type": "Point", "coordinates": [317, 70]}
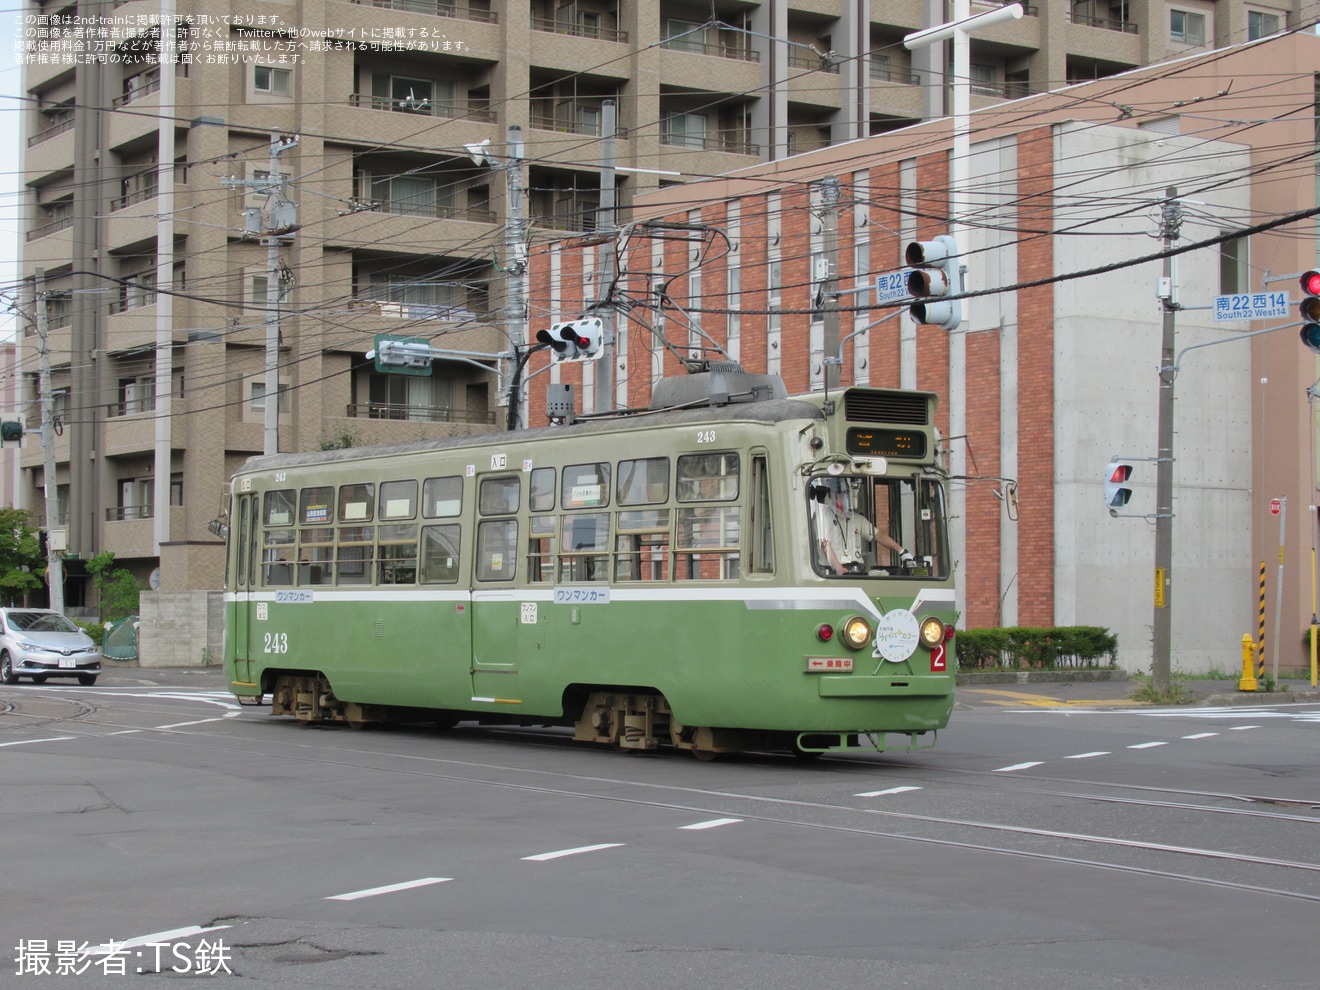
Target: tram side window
{"type": "Point", "coordinates": [278, 508]}
{"type": "Point", "coordinates": [316, 506]}
{"type": "Point", "coordinates": [397, 560]}
{"type": "Point", "coordinates": [585, 486]}
{"type": "Point", "coordinates": [641, 545]}
{"type": "Point", "coordinates": [442, 497]}
{"type": "Point", "coordinates": [277, 551]}
{"type": "Point", "coordinates": [497, 549]}
{"type": "Point", "coordinates": [760, 532]}
{"type": "Point", "coordinates": [541, 548]}
{"type": "Point", "coordinates": [706, 544]}
{"type": "Point", "coordinates": [439, 554]}
{"type": "Point", "coordinates": [316, 556]}
{"type": "Point", "coordinates": [541, 498]}
{"type": "Point", "coordinates": [644, 481]}
{"type": "Point", "coordinates": [398, 500]}
{"type": "Point", "coordinates": [356, 503]}
{"type": "Point", "coordinates": [353, 557]}
{"type": "Point", "coordinates": [584, 553]}
{"type": "Point", "coordinates": [499, 496]}
{"type": "Point", "coordinates": [707, 477]}
{"type": "Point", "coordinates": [240, 571]}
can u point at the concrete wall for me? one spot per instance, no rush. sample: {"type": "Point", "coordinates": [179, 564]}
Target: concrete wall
{"type": "Point", "coordinates": [181, 628]}
{"type": "Point", "coordinates": [1108, 331]}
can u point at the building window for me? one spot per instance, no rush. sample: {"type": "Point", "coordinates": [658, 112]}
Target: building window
{"type": "Point", "coordinates": [1261, 24]}
{"type": "Point", "coordinates": [1233, 273]}
{"type": "Point", "coordinates": [137, 395]}
{"type": "Point", "coordinates": [1186, 27]}
{"type": "Point", "coordinates": [692, 39]}
{"type": "Point", "coordinates": [137, 290]}
{"type": "Point", "coordinates": [685, 130]}
{"type": "Point", "coordinates": [272, 81]}
{"type": "Point", "coordinates": [257, 395]}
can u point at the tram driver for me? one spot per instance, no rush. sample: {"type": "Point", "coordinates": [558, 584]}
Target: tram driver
{"type": "Point", "coordinates": [843, 533]}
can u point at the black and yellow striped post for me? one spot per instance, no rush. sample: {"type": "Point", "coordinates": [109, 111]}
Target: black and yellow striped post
{"type": "Point", "coordinates": [1260, 643]}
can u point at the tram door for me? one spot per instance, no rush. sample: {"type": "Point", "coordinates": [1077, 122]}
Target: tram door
{"type": "Point", "coordinates": [245, 574]}
{"type": "Point", "coordinates": [496, 601]}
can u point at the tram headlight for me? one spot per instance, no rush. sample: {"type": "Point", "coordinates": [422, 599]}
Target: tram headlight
{"type": "Point", "coordinates": [932, 632]}
{"type": "Point", "coordinates": [855, 632]}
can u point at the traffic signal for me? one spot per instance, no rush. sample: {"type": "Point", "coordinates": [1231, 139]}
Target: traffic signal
{"type": "Point", "coordinates": [934, 275]}
{"type": "Point", "coordinates": [1309, 308]}
{"type": "Point", "coordinates": [576, 340]}
{"type": "Point", "coordinates": [1118, 491]}
{"type": "Point", "coordinates": [11, 430]}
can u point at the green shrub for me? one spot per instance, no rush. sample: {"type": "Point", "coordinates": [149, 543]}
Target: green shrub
{"type": "Point", "coordinates": [1023, 648]}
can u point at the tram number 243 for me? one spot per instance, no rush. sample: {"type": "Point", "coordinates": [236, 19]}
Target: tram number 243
{"type": "Point", "coordinates": [275, 643]}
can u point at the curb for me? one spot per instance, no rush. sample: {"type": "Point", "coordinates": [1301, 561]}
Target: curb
{"type": "Point", "coordinates": [1040, 676]}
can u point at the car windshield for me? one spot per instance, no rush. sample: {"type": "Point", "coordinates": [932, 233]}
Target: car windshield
{"type": "Point", "coordinates": [41, 622]}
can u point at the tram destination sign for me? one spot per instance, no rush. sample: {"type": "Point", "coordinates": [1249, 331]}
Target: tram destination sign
{"type": "Point", "coordinates": [1251, 306]}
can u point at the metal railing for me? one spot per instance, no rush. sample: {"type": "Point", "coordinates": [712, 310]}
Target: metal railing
{"type": "Point", "coordinates": [806, 60]}
{"type": "Point", "coordinates": [728, 141]}
{"type": "Point", "coordinates": [122, 513]}
{"type": "Point", "coordinates": [435, 211]}
{"type": "Point", "coordinates": [55, 226]}
{"type": "Point", "coordinates": [551, 26]}
{"type": "Point", "coordinates": [448, 108]}
{"type": "Point", "coordinates": [129, 199]}
{"type": "Point", "coordinates": [883, 73]}
{"type": "Point", "coordinates": [137, 93]}
{"type": "Point", "coordinates": [1104, 23]}
{"type": "Point", "coordinates": [548, 122]}
{"type": "Point", "coordinates": [54, 130]}
{"type": "Point", "coordinates": [417, 414]}
{"type": "Point", "coordinates": [718, 51]}
{"type": "Point", "coordinates": [435, 9]}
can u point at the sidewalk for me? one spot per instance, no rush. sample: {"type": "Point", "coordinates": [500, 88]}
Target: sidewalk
{"type": "Point", "coordinates": [1114, 687]}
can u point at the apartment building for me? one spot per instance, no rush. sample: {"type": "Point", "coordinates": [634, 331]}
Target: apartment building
{"type": "Point", "coordinates": [170, 258]}
{"type": "Point", "coordinates": [1056, 365]}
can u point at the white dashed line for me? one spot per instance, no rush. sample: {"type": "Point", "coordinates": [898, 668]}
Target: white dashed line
{"type": "Point", "coordinates": [1201, 735]}
{"type": "Point", "coordinates": [892, 790]}
{"type": "Point", "coordinates": [392, 888]}
{"type": "Point", "coordinates": [1018, 766]}
{"type": "Point", "coordinates": [159, 938]}
{"type": "Point", "coordinates": [545, 857]}
{"type": "Point", "coordinates": [1242, 728]}
{"type": "Point", "coordinates": [1087, 756]}
{"type": "Point", "coordinates": [713, 823]}
{"type": "Point", "coordinates": [1149, 745]}
{"type": "Point", "coordinates": [180, 725]}
{"type": "Point", "coordinates": [29, 742]}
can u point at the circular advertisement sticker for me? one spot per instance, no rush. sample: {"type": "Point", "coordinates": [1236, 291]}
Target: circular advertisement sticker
{"type": "Point", "coordinates": [897, 635]}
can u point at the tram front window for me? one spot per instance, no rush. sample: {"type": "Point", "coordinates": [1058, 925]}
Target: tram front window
{"type": "Point", "coordinates": [877, 527]}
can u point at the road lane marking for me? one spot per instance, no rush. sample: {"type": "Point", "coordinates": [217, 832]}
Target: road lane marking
{"type": "Point", "coordinates": [29, 742]}
{"type": "Point", "coordinates": [891, 790]}
{"type": "Point", "coordinates": [158, 938]}
{"type": "Point", "coordinates": [713, 823]}
{"type": "Point", "coordinates": [1149, 745]}
{"type": "Point", "coordinates": [1201, 735]}
{"type": "Point", "coordinates": [1086, 756]}
{"type": "Point", "coordinates": [180, 725]}
{"type": "Point", "coordinates": [1242, 728]}
{"type": "Point", "coordinates": [392, 888]}
{"type": "Point", "coordinates": [1018, 766]}
{"type": "Point", "coordinates": [124, 732]}
{"type": "Point", "coordinates": [546, 857]}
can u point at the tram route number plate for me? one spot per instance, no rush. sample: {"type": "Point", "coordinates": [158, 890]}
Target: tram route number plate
{"type": "Point", "coordinates": [582, 596]}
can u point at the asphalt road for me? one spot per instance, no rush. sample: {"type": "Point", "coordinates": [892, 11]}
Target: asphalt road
{"type": "Point", "coordinates": [1049, 839]}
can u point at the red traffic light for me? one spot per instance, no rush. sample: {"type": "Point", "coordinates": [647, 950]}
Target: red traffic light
{"type": "Point", "coordinates": [1120, 473]}
{"type": "Point", "coordinates": [1310, 282]}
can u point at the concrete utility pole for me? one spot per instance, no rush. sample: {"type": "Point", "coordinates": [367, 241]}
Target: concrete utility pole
{"type": "Point", "coordinates": [1162, 625]}
{"type": "Point", "coordinates": [830, 286]}
{"type": "Point", "coordinates": [275, 223]}
{"type": "Point", "coordinates": [164, 447]}
{"type": "Point", "coordinates": [605, 260]}
{"type": "Point", "coordinates": [56, 540]}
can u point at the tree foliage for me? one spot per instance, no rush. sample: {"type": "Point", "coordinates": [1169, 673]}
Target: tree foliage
{"type": "Point", "coordinates": [21, 563]}
{"type": "Point", "coordinates": [116, 587]}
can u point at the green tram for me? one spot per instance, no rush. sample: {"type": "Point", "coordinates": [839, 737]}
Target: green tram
{"type": "Point", "coordinates": [732, 569]}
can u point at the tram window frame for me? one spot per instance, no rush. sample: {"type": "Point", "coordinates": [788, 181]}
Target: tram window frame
{"type": "Point", "coordinates": [497, 549]}
{"type": "Point", "coordinates": [585, 486]}
{"type": "Point", "coordinates": [350, 542]}
{"type": "Point", "coordinates": [279, 498]}
{"type": "Point", "coordinates": [279, 552]}
{"type": "Point", "coordinates": [240, 568]}
{"type": "Point", "coordinates": [398, 500]}
{"type": "Point", "coordinates": [541, 542]}
{"type": "Point", "coordinates": [438, 497]}
{"type": "Point", "coordinates": [642, 545]}
{"type": "Point", "coordinates": [499, 495]}
{"type": "Point", "coordinates": [447, 538]}
{"type": "Point", "coordinates": [357, 502]}
{"type": "Point", "coordinates": [320, 512]}
{"type": "Point", "coordinates": [636, 483]}
{"type": "Point", "coordinates": [760, 526]}
{"type": "Point", "coordinates": [584, 547]}
{"type": "Point", "coordinates": [694, 474]}
{"type": "Point", "coordinates": [691, 557]}
{"type": "Point", "coordinates": [316, 550]}
{"type": "Point", "coordinates": [541, 490]}
{"type": "Point", "coordinates": [252, 544]}
{"type": "Point", "coordinates": [396, 556]}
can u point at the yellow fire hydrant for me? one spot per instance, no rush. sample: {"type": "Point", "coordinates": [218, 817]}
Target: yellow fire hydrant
{"type": "Point", "coordinates": [1248, 682]}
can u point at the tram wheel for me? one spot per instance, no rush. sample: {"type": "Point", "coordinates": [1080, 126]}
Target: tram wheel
{"type": "Point", "coordinates": [356, 724]}
{"type": "Point", "coordinates": [705, 755]}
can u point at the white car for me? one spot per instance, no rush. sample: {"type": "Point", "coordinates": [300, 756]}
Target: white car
{"type": "Point", "coordinates": [39, 643]}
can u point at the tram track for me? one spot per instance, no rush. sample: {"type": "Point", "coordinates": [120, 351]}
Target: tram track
{"type": "Point", "coordinates": [1224, 868]}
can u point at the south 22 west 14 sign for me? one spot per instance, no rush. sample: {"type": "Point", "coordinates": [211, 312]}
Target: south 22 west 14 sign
{"type": "Point", "coordinates": [1251, 306]}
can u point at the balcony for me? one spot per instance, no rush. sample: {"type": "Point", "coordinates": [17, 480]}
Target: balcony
{"type": "Point", "coordinates": [589, 124]}
{"type": "Point", "coordinates": [434, 8]}
{"type": "Point", "coordinates": [134, 197]}
{"type": "Point", "coordinates": [799, 59]}
{"type": "Point", "coordinates": [54, 130]}
{"type": "Point", "coordinates": [451, 109]}
{"type": "Point", "coordinates": [732, 142]}
{"type": "Point", "coordinates": [594, 32]}
{"type": "Point", "coordinates": [46, 229]}
{"type": "Point", "coordinates": [718, 51]}
{"type": "Point", "coordinates": [417, 414]}
{"type": "Point", "coordinates": [1104, 23]}
{"type": "Point", "coordinates": [434, 211]}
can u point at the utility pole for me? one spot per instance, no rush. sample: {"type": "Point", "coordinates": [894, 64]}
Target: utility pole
{"type": "Point", "coordinates": [54, 538]}
{"type": "Point", "coordinates": [1162, 626]}
{"type": "Point", "coordinates": [275, 224]}
{"type": "Point", "coordinates": [605, 259]}
{"type": "Point", "coordinates": [164, 447]}
{"type": "Point", "coordinates": [515, 252]}
{"type": "Point", "coordinates": [830, 285]}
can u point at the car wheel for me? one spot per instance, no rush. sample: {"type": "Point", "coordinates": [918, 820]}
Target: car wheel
{"type": "Point", "coordinates": [86, 680]}
{"type": "Point", "coordinates": [7, 669]}
{"type": "Point", "coordinates": [38, 678]}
